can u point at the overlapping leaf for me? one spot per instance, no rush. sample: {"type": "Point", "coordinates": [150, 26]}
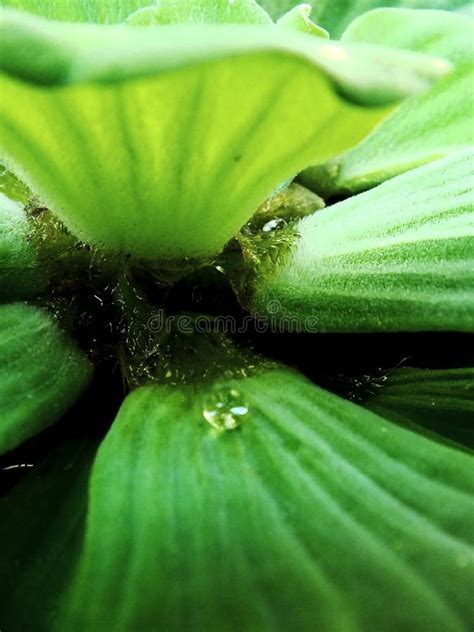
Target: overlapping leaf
{"type": "Point", "coordinates": [20, 276]}
{"type": "Point", "coordinates": [41, 532]}
{"type": "Point", "coordinates": [397, 258]}
{"type": "Point", "coordinates": [41, 373]}
{"type": "Point", "coordinates": [439, 401]}
{"type": "Point", "coordinates": [299, 19]}
{"type": "Point", "coordinates": [313, 511]}
{"type": "Point", "coordinates": [335, 16]}
{"type": "Point", "coordinates": [166, 151]}
{"type": "Point", "coordinates": [423, 129]}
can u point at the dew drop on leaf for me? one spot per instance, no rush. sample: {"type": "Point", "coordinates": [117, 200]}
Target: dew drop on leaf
{"type": "Point", "coordinates": [225, 409]}
{"type": "Point", "coordinates": [274, 224]}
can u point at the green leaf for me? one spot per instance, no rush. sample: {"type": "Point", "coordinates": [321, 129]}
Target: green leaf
{"type": "Point", "coordinates": [434, 32]}
{"type": "Point", "coordinates": [396, 258]}
{"type": "Point", "coordinates": [422, 129]}
{"type": "Point", "coordinates": [200, 11]}
{"type": "Point", "coordinates": [41, 534]}
{"type": "Point", "coordinates": [299, 19]}
{"type": "Point", "coordinates": [315, 510]}
{"type": "Point", "coordinates": [12, 188]}
{"type": "Point", "coordinates": [179, 141]}
{"type": "Point", "coordinates": [414, 135]}
{"type": "Point", "coordinates": [467, 9]}
{"type": "Point", "coordinates": [276, 8]}
{"type": "Point", "coordinates": [102, 11]}
{"type": "Point", "coordinates": [440, 401]}
{"type": "Point", "coordinates": [20, 276]}
{"type": "Point", "coordinates": [41, 373]}
{"type": "Point", "coordinates": [336, 16]}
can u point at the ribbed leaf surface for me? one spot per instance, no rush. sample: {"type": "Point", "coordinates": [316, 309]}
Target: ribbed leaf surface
{"type": "Point", "coordinates": [162, 141]}
{"type": "Point", "coordinates": [397, 258]}
{"type": "Point", "coordinates": [423, 129]}
{"type": "Point", "coordinates": [315, 513]}
{"type": "Point", "coordinates": [41, 534]}
{"type": "Point", "coordinates": [441, 401]}
{"type": "Point", "coordinates": [41, 373]}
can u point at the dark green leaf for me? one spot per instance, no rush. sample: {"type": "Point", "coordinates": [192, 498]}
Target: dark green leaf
{"type": "Point", "coordinates": [440, 401]}
{"type": "Point", "coordinates": [41, 534]}
{"type": "Point", "coordinates": [315, 510]}
{"type": "Point", "coordinates": [41, 373]}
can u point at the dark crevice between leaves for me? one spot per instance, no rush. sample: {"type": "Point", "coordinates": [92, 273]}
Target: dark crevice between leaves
{"type": "Point", "coordinates": [125, 316]}
{"type": "Point", "coordinates": [88, 420]}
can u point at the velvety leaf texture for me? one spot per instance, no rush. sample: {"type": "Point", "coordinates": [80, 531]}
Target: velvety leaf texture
{"type": "Point", "coordinates": [20, 276]}
{"type": "Point", "coordinates": [396, 258]}
{"type": "Point", "coordinates": [337, 15]}
{"type": "Point", "coordinates": [200, 11]}
{"type": "Point", "coordinates": [299, 19]}
{"type": "Point", "coordinates": [314, 512]}
{"type": "Point", "coordinates": [101, 11]}
{"type": "Point", "coordinates": [167, 151]}
{"type": "Point", "coordinates": [434, 32]}
{"type": "Point", "coordinates": [439, 401]}
{"type": "Point", "coordinates": [41, 373]}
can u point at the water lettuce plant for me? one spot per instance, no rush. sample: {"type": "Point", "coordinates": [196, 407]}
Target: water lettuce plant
{"type": "Point", "coordinates": [236, 267]}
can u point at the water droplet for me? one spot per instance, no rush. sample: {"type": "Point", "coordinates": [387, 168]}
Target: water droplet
{"type": "Point", "coordinates": [225, 410]}
{"type": "Point", "coordinates": [18, 466]}
{"type": "Point", "coordinates": [274, 224]}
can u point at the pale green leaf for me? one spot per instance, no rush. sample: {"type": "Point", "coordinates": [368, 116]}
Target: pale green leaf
{"type": "Point", "coordinates": [41, 373]}
{"type": "Point", "coordinates": [102, 11]}
{"type": "Point", "coordinates": [41, 534]}
{"type": "Point", "coordinates": [299, 19]}
{"type": "Point", "coordinates": [336, 15]}
{"type": "Point", "coordinates": [434, 32]}
{"type": "Point", "coordinates": [467, 9]}
{"type": "Point", "coordinates": [276, 8]}
{"type": "Point", "coordinates": [20, 275]}
{"type": "Point", "coordinates": [397, 258]}
{"type": "Point", "coordinates": [314, 511]}
{"type": "Point", "coordinates": [422, 129]}
{"type": "Point", "coordinates": [440, 401]}
{"type": "Point", "coordinates": [166, 151]}
{"type": "Point", "coordinates": [200, 11]}
{"type": "Point", "coordinates": [12, 188]}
